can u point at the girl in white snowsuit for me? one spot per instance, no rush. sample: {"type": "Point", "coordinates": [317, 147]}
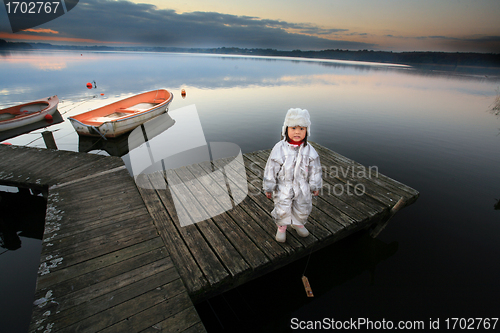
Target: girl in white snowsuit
{"type": "Point", "coordinates": [292, 175]}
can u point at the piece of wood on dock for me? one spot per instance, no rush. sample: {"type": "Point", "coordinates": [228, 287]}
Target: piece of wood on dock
{"type": "Point", "coordinates": [104, 268]}
{"type": "Point", "coordinates": [218, 242]}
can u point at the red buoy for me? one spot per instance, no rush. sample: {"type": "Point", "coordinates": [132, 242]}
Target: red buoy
{"type": "Point", "coordinates": [48, 117]}
{"type": "Point", "coordinates": [183, 93]}
{"type": "Point", "coordinates": [89, 85]}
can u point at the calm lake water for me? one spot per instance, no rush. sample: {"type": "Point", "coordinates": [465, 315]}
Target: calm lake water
{"type": "Point", "coordinates": [431, 130]}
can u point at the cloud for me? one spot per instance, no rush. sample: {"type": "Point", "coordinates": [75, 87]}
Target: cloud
{"type": "Point", "coordinates": [127, 22]}
{"type": "Point", "coordinates": [41, 39]}
{"type": "Point", "coordinates": [43, 31]}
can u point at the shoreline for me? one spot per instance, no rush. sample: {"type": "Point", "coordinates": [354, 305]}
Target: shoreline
{"type": "Point", "coordinates": [452, 60]}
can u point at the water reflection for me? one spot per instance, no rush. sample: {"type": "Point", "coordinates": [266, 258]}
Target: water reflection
{"type": "Point", "coordinates": [113, 146]}
{"type": "Point", "coordinates": [56, 119]}
{"type": "Point", "coordinates": [16, 221]}
{"type": "Point", "coordinates": [66, 73]}
{"type": "Point", "coordinates": [167, 143]}
{"type": "Point", "coordinates": [425, 129]}
{"type": "Point", "coordinates": [328, 269]}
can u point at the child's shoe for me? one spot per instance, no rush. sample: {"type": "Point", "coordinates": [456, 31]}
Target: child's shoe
{"type": "Point", "coordinates": [301, 230]}
{"type": "Point", "coordinates": [281, 234]}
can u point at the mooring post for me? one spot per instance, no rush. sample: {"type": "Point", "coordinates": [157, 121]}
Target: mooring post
{"type": "Point", "coordinates": [377, 229]}
{"type": "Point", "coordinates": [48, 138]}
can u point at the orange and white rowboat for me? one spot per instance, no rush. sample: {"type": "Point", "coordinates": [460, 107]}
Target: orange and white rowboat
{"type": "Point", "coordinates": [120, 117]}
{"type": "Point", "coordinates": [27, 113]}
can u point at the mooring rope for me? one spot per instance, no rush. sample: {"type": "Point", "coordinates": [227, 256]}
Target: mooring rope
{"type": "Point", "coordinates": [304, 278]}
{"type": "Point", "coordinates": [73, 103]}
{"type": "Point", "coordinates": [215, 314]}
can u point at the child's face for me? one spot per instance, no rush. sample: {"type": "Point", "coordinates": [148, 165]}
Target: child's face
{"type": "Point", "coordinates": [297, 133]}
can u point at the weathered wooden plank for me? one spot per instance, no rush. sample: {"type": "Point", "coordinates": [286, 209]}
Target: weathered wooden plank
{"type": "Point", "coordinates": [343, 201]}
{"type": "Point", "coordinates": [193, 208]}
{"type": "Point", "coordinates": [66, 163]}
{"type": "Point", "coordinates": [178, 322]}
{"type": "Point", "coordinates": [12, 156]}
{"type": "Point", "coordinates": [337, 220]}
{"type": "Point", "coordinates": [74, 284]}
{"type": "Point", "coordinates": [128, 310]}
{"type": "Point", "coordinates": [38, 164]}
{"type": "Point", "coordinates": [107, 184]}
{"type": "Point", "coordinates": [348, 173]}
{"type": "Point", "coordinates": [81, 226]}
{"type": "Point", "coordinates": [97, 203]}
{"type": "Point", "coordinates": [24, 164]}
{"type": "Point", "coordinates": [151, 247]}
{"type": "Point", "coordinates": [243, 221]}
{"type": "Point", "coordinates": [52, 302]}
{"type": "Point", "coordinates": [197, 328]}
{"type": "Point", "coordinates": [381, 179]}
{"type": "Point", "coordinates": [92, 288]}
{"type": "Point", "coordinates": [267, 204]}
{"type": "Point", "coordinates": [84, 170]}
{"type": "Point", "coordinates": [98, 261]}
{"type": "Point", "coordinates": [202, 253]}
{"type": "Point", "coordinates": [20, 159]}
{"type": "Point", "coordinates": [91, 237]}
{"type": "Point", "coordinates": [56, 263]}
{"type": "Point", "coordinates": [319, 231]}
{"type": "Point", "coordinates": [358, 203]}
{"type": "Point", "coordinates": [97, 212]}
{"type": "Point", "coordinates": [254, 169]}
{"type": "Point", "coordinates": [74, 164]}
{"type": "Point", "coordinates": [244, 245]}
{"type": "Point", "coordinates": [80, 296]}
{"type": "Point", "coordinates": [109, 273]}
{"type": "Point", "coordinates": [98, 304]}
{"type": "Point", "coordinates": [228, 255]}
{"type": "Point", "coordinates": [155, 314]}
{"type": "Point", "coordinates": [262, 207]}
{"type": "Point", "coordinates": [188, 267]}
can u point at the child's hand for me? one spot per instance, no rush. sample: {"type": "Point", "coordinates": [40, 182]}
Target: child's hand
{"type": "Point", "coordinates": [315, 193]}
{"type": "Point", "coordinates": [269, 195]}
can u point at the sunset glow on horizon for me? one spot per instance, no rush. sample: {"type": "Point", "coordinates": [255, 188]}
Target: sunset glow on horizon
{"type": "Point", "coordinates": [386, 25]}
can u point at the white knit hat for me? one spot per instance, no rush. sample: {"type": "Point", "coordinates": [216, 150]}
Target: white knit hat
{"type": "Point", "coordinates": [297, 117]}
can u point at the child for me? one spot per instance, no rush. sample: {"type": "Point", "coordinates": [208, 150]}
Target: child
{"type": "Point", "coordinates": [292, 173]}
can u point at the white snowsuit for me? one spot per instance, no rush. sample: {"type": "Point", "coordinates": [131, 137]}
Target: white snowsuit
{"type": "Point", "coordinates": [292, 173]}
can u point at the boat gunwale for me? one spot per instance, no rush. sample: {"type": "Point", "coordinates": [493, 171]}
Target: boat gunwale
{"type": "Point", "coordinates": [122, 118]}
{"type": "Point", "coordinates": [51, 101]}
{"type": "Point", "coordinates": [127, 117]}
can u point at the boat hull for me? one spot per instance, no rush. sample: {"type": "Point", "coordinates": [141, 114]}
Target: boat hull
{"type": "Point", "coordinates": [27, 113]}
{"type": "Point", "coordinates": [112, 121]}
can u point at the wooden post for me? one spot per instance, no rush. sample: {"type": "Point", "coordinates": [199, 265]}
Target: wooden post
{"type": "Point", "coordinates": [377, 229]}
{"type": "Point", "coordinates": [48, 138]}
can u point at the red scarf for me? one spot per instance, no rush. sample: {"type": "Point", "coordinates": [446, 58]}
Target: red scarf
{"type": "Point", "coordinates": [295, 143]}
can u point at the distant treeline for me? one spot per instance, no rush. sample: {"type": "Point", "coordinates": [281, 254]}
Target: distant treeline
{"type": "Point", "coordinates": [409, 58]}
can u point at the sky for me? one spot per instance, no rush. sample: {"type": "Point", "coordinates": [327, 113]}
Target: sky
{"type": "Point", "coordinates": [387, 25]}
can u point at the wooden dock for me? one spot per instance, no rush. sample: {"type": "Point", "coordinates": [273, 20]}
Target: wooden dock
{"type": "Point", "coordinates": [103, 266]}
{"type": "Point", "coordinates": [233, 247]}
{"type": "Point", "coordinates": [115, 257]}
